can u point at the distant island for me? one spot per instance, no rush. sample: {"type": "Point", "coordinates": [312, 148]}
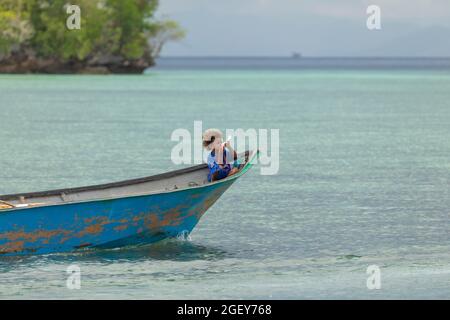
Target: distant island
{"type": "Point", "coordinates": [114, 36]}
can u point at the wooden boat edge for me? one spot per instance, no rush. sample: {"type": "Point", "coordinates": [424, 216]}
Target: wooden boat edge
{"type": "Point", "coordinates": [251, 156]}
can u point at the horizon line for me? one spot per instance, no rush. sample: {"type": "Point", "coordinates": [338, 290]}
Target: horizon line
{"type": "Point", "coordinates": [297, 58]}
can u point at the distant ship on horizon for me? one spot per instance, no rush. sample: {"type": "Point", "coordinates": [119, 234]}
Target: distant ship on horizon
{"type": "Point", "coordinates": [296, 55]}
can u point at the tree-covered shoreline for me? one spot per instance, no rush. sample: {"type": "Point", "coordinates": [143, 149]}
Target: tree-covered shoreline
{"type": "Point", "coordinates": [116, 36]}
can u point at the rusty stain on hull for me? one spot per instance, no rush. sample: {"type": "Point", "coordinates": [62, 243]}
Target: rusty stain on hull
{"type": "Point", "coordinates": [19, 241]}
{"type": "Point", "coordinates": [83, 245]}
{"type": "Point", "coordinates": [120, 221]}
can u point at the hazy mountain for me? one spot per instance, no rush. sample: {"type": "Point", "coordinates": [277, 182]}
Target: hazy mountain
{"type": "Point", "coordinates": [273, 30]}
{"type": "Point", "coordinates": [431, 41]}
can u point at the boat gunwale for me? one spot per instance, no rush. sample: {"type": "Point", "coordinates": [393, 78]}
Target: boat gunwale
{"type": "Point", "coordinates": [103, 186]}
{"type": "Point", "coordinates": [251, 155]}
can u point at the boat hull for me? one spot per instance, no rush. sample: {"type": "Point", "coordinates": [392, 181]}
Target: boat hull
{"type": "Point", "coordinates": [108, 223]}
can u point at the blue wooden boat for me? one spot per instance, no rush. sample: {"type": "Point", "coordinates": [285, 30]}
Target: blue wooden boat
{"type": "Point", "coordinates": [132, 212]}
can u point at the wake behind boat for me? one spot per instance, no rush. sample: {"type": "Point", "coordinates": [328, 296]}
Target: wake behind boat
{"type": "Point", "coordinates": [131, 212]}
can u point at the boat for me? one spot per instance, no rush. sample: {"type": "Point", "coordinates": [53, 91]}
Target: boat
{"type": "Point", "coordinates": [125, 213]}
{"type": "Point", "coordinates": [296, 55]}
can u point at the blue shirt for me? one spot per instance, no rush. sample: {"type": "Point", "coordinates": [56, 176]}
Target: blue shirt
{"type": "Point", "coordinates": [214, 167]}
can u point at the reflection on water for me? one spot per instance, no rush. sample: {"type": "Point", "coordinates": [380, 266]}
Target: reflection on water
{"type": "Point", "coordinates": [170, 249]}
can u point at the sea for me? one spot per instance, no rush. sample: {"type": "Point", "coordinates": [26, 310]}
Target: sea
{"type": "Point", "coordinates": [359, 207]}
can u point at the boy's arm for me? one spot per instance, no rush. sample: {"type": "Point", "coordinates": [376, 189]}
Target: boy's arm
{"type": "Point", "coordinates": [230, 148]}
{"type": "Point", "coordinates": [219, 155]}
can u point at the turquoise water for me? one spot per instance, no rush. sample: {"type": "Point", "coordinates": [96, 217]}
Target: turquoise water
{"type": "Point", "coordinates": [363, 180]}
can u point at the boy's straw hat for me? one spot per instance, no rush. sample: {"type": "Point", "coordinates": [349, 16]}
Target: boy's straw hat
{"type": "Point", "coordinates": [211, 135]}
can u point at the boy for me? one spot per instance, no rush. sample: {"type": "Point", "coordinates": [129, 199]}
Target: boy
{"type": "Point", "coordinates": [221, 156]}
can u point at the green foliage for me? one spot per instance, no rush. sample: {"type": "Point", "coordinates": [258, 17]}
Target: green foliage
{"type": "Point", "coordinates": [52, 37]}
{"type": "Point", "coordinates": [114, 28]}
{"type": "Point", "coordinates": [15, 27]}
{"type": "Point", "coordinates": [129, 19]}
{"type": "Point", "coordinates": [162, 32]}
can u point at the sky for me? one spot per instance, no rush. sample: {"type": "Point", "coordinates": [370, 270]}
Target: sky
{"type": "Point", "coordinates": [310, 27]}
